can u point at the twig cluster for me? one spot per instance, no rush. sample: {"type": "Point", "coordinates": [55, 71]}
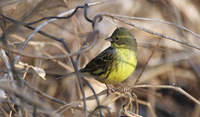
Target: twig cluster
{"type": "Point", "coordinates": [19, 92]}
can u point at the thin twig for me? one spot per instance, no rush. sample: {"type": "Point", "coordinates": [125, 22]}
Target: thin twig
{"type": "Point", "coordinates": [43, 94]}
{"type": "Point", "coordinates": [5, 59]}
{"type": "Point", "coordinates": [149, 31]}
{"type": "Point", "coordinates": [178, 89]}
{"type": "Point", "coordinates": [165, 22]}
{"type": "Point", "coordinates": [84, 49]}
{"type": "Point", "coordinates": [45, 23]}
{"type": "Point", "coordinates": [143, 69]}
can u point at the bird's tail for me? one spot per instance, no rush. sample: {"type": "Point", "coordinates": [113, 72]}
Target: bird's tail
{"type": "Point", "coordinates": [66, 75]}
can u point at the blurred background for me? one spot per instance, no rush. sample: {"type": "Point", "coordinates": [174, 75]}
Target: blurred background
{"type": "Point", "coordinates": [160, 60]}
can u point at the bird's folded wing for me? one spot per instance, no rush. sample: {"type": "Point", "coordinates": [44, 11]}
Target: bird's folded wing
{"type": "Point", "coordinates": [101, 62]}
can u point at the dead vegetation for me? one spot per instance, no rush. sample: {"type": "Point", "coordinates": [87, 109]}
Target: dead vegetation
{"type": "Point", "coordinates": [43, 40]}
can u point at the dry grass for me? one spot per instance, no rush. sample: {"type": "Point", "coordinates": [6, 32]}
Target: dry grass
{"type": "Point", "coordinates": [168, 70]}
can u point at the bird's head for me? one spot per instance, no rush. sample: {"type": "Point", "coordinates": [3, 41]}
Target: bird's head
{"type": "Point", "coordinates": [122, 38]}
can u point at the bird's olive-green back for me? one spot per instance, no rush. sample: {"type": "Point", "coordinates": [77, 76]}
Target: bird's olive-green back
{"type": "Point", "coordinates": [122, 36]}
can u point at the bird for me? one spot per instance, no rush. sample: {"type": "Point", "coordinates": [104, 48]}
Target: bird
{"type": "Point", "coordinates": [115, 63]}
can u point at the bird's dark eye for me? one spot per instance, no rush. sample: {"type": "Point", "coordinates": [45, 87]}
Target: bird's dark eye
{"type": "Point", "coordinates": [117, 38]}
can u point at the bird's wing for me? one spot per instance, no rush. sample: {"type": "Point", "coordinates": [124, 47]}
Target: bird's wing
{"type": "Point", "coordinates": [101, 62]}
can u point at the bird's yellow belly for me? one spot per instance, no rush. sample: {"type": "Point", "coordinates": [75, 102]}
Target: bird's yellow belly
{"type": "Point", "coordinates": [122, 67]}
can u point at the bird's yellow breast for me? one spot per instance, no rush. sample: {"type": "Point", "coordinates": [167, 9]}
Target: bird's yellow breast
{"type": "Point", "coordinates": [122, 67]}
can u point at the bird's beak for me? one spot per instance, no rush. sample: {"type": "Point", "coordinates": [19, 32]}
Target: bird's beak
{"type": "Point", "coordinates": [109, 39]}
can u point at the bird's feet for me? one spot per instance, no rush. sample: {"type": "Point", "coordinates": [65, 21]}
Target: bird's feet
{"type": "Point", "coordinates": [109, 90]}
{"type": "Point", "coordinates": [124, 87]}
